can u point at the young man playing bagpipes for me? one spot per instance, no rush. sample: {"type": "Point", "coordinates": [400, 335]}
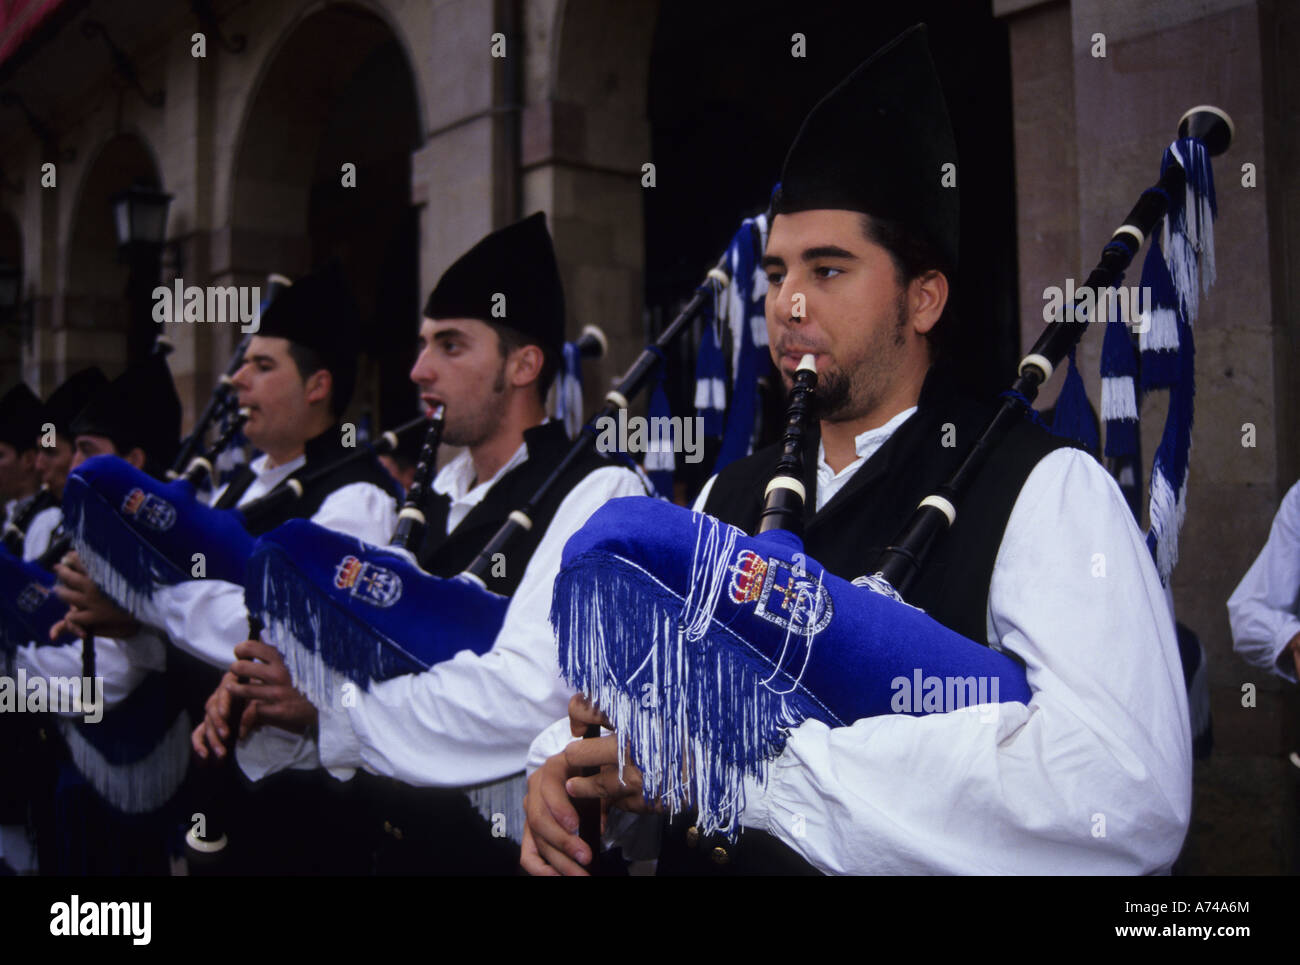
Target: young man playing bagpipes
{"type": "Point", "coordinates": [1090, 775]}
{"type": "Point", "coordinates": [297, 378]}
{"type": "Point", "coordinates": [490, 341]}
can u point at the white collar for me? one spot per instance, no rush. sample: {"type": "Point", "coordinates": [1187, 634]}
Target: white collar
{"type": "Point", "coordinates": [457, 477]}
{"type": "Point", "coordinates": [258, 466]}
{"type": "Point", "coordinates": [864, 443]}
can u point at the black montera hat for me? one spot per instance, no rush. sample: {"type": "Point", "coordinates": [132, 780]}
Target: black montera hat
{"type": "Point", "coordinates": [878, 143]}
{"type": "Point", "coordinates": [517, 262]}
{"type": "Point", "coordinates": [66, 402]}
{"type": "Point", "coordinates": [138, 408]}
{"type": "Point", "coordinates": [20, 417]}
{"type": "Point", "coordinates": [319, 312]}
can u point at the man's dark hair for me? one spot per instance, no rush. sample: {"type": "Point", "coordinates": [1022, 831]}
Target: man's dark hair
{"type": "Point", "coordinates": [308, 362]}
{"type": "Point", "coordinates": [913, 255]}
{"type": "Point", "coordinates": [509, 339]}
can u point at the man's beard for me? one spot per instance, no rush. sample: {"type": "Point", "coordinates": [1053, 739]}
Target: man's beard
{"type": "Point", "coordinates": [473, 428]}
{"type": "Point", "coordinates": [842, 397]}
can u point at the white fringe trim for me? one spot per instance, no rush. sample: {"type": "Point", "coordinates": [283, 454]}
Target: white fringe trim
{"type": "Point", "coordinates": [140, 786]}
{"type": "Point", "coordinates": [1118, 398]}
{"type": "Point", "coordinates": [1167, 513]}
{"type": "Point", "coordinates": [710, 394]}
{"type": "Point", "coordinates": [1160, 332]}
{"type": "Point", "coordinates": [504, 797]}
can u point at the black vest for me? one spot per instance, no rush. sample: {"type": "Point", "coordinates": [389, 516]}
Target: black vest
{"type": "Point", "coordinates": [446, 554]}
{"type": "Point", "coordinates": [867, 514]}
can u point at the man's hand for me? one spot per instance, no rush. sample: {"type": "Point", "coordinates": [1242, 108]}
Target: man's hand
{"type": "Point", "coordinates": [1294, 646]}
{"type": "Point", "coordinates": [272, 698]}
{"type": "Point", "coordinates": [211, 735]}
{"type": "Point", "coordinates": [551, 843]}
{"type": "Point", "coordinates": [602, 752]}
{"type": "Point", "coordinates": [89, 611]}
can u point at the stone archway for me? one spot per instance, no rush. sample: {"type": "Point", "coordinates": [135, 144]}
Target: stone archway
{"type": "Point", "coordinates": [293, 206]}
{"type": "Point", "coordinates": [92, 324]}
{"type": "Point", "coordinates": [585, 139]}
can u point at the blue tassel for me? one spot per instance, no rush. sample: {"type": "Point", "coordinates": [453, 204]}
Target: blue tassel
{"type": "Point", "coordinates": [710, 379]}
{"type": "Point", "coordinates": [1160, 339]}
{"type": "Point", "coordinates": [1119, 393]}
{"type": "Point", "coordinates": [1073, 418]}
{"type": "Point", "coordinates": [568, 396]}
{"type": "Point", "coordinates": [660, 463]}
{"type": "Point", "coordinates": [745, 297]}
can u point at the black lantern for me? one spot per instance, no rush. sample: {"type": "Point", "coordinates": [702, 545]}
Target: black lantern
{"type": "Point", "coordinates": [140, 216]}
{"type": "Point", "coordinates": [10, 279]}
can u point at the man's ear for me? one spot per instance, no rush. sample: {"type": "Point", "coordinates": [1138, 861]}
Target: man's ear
{"type": "Point", "coordinates": [136, 457]}
{"type": "Point", "coordinates": [526, 364]}
{"type": "Point", "coordinates": [28, 460]}
{"type": "Point", "coordinates": [318, 386]}
{"type": "Point", "coordinates": [927, 295]}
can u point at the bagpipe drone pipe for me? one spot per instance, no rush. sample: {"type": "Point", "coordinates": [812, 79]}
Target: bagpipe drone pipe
{"type": "Point", "coordinates": [705, 647]}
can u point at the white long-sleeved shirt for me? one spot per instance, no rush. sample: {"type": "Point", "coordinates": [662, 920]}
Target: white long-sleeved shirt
{"type": "Point", "coordinates": [1093, 776]}
{"type": "Point", "coordinates": [208, 619]}
{"type": "Point", "coordinates": [1264, 609]}
{"type": "Point", "coordinates": [470, 720]}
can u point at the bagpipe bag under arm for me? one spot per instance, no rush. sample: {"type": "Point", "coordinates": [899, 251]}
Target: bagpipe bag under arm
{"type": "Point", "coordinates": [342, 610]}
{"type": "Point", "coordinates": [705, 646]}
{"type": "Point", "coordinates": [134, 532]}
{"type": "Point", "coordinates": [28, 604]}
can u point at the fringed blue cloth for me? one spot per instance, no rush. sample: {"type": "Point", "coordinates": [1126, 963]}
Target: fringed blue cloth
{"type": "Point", "coordinates": [705, 646]}
{"type": "Point", "coordinates": [133, 532]}
{"type": "Point", "coordinates": [137, 755]}
{"type": "Point", "coordinates": [28, 604]}
{"type": "Point", "coordinates": [341, 610]}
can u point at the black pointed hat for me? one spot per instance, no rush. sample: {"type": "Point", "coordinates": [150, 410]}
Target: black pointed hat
{"type": "Point", "coordinates": [66, 402]}
{"type": "Point", "coordinates": [517, 261]}
{"type": "Point", "coordinates": [878, 144]}
{"type": "Point", "coordinates": [319, 312]}
{"type": "Point", "coordinates": [20, 417]}
{"type": "Point", "coordinates": [138, 408]}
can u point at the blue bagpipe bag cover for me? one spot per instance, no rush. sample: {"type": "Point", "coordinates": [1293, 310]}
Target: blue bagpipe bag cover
{"type": "Point", "coordinates": [341, 610]}
{"type": "Point", "coordinates": [705, 647]}
{"type": "Point", "coordinates": [134, 533]}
